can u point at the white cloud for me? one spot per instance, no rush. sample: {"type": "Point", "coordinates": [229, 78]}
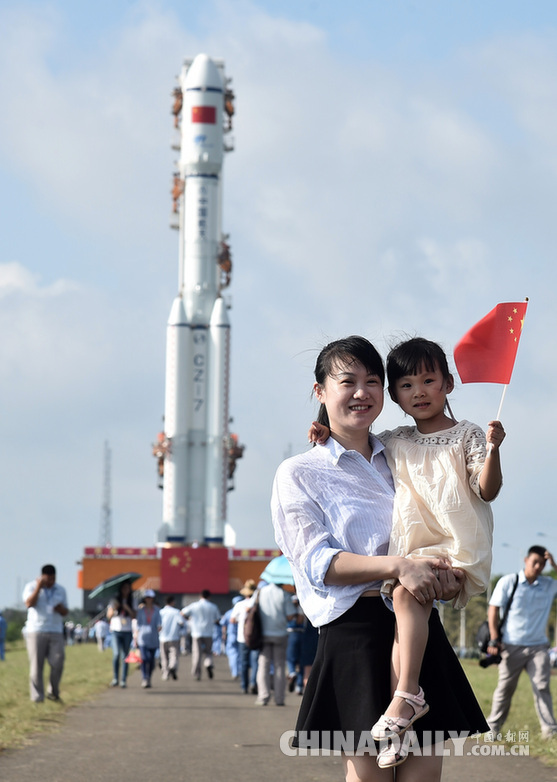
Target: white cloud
{"type": "Point", "coordinates": [15, 278]}
{"type": "Point", "coordinates": [89, 138]}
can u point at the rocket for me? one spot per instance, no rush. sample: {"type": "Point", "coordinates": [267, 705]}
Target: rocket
{"type": "Point", "coordinates": [194, 451]}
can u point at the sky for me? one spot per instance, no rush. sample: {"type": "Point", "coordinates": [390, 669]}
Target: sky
{"type": "Point", "coordinates": [394, 171]}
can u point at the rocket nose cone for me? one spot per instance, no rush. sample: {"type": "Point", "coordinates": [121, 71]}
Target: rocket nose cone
{"type": "Point", "coordinates": [203, 73]}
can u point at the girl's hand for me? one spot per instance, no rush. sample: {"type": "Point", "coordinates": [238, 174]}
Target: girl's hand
{"type": "Point", "coordinates": [318, 433]}
{"type": "Point", "coordinates": [420, 577]}
{"type": "Point", "coordinates": [495, 434]}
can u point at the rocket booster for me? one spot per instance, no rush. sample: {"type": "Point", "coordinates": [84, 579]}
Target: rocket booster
{"type": "Point", "coordinates": [198, 330]}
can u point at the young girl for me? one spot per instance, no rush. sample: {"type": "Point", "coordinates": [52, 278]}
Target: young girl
{"type": "Point", "coordinates": [443, 480]}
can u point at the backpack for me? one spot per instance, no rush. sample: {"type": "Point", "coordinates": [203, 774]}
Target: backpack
{"type": "Point", "coordinates": [483, 636]}
{"type": "Point", "coordinates": [253, 629]}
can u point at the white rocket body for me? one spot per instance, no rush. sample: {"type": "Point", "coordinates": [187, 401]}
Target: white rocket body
{"type": "Point", "coordinates": [197, 364]}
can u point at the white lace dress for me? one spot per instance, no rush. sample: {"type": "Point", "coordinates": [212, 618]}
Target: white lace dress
{"type": "Point", "coordinates": [438, 510]}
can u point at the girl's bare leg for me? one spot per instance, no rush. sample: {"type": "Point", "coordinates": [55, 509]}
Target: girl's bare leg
{"type": "Point", "coordinates": [408, 650]}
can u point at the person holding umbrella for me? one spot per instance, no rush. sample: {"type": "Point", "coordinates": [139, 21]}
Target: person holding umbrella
{"type": "Point", "coordinates": [120, 613]}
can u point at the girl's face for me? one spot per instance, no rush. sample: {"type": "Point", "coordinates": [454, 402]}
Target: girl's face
{"type": "Point", "coordinates": [423, 396]}
{"type": "Point", "coordinates": [353, 397]}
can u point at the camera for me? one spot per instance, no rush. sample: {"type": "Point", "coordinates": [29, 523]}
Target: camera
{"type": "Point", "coordinates": [490, 659]}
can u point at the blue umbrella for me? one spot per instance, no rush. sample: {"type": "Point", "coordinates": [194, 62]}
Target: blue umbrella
{"type": "Point", "coordinates": [278, 571]}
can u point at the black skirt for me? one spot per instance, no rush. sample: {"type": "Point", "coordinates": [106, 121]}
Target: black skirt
{"type": "Point", "coordinates": [350, 682]}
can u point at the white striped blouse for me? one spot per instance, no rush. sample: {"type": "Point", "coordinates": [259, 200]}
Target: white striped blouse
{"type": "Point", "coordinates": [325, 501]}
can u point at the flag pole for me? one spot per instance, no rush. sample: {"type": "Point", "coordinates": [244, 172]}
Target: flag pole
{"type": "Point", "coordinates": [498, 417]}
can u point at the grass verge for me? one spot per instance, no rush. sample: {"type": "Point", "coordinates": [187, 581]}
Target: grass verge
{"type": "Point", "coordinates": [87, 673]}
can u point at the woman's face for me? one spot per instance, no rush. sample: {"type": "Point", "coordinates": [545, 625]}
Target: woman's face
{"type": "Point", "coordinates": [353, 397]}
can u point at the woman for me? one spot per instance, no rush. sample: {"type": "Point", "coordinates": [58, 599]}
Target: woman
{"type": "Point", "coordinates": [120, 613]}
{"type": "Point", "coordinates": [332, 513]}
{"type": "Point", "coordinates": [147, 635]}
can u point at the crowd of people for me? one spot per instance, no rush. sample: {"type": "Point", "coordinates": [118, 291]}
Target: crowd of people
{"type": "Point", "coordinates": [162, 636]}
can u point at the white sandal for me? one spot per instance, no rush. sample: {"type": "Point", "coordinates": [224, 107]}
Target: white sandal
{"type": "Point", "coordinates": [389, 756]}
{"type": "Point", "coordinates": [386, 727]}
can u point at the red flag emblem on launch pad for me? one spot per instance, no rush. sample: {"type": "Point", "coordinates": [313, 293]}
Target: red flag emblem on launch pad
{"type": "Point", "coordinates": [186, 569]}
{"type": "Point", "coordinates": [205, 114]}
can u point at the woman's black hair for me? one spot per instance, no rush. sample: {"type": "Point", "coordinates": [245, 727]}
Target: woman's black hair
{"type": "Point", "coordinates": [119, 598]}
{"type": "Point", "coordinates": [408, 358]}
{"type": "Point", "coordinates": [346, 351]}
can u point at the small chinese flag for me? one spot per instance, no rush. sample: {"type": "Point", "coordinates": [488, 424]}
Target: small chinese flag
{"type": "Point", "coordinates": [486, 353]}
{"type": "Point", "coordinates": [206, 114]}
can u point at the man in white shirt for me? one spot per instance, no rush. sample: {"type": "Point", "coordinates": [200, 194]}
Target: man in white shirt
{"type": "Point", "coordinates": [47, 604]}
{"type": "Point", "coordinates": [169, 638]}
{"type": "Point", "coordinates": [203, 616]}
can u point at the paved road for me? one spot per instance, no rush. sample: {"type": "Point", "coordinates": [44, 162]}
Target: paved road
{"type": "Point", "coordinates": [202, 731]}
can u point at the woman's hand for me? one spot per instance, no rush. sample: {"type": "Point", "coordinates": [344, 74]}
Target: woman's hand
{"type": "Point", "coordinates": [422, 578]}
{"type": "Point", "coordinates": [451, 581]}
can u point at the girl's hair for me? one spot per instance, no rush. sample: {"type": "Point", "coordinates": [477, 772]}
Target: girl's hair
{"type": "Point", "coordinates": [346, 351]}
{"type": "Point", "coordinates": [408, 358]}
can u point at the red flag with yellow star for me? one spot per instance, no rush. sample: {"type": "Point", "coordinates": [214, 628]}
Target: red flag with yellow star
{"type": "Point", "coordinates": [486, 353]}
{"type": "Point", "coordinates": [187, 570]}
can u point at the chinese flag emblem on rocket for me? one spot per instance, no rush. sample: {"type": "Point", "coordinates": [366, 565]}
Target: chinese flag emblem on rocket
{"type": "Point", "coordinates": [189, 570]}
{"type": "Point", "coordinates": [486, 353]}
{"type": "Point", "coordinates": [205, 114]}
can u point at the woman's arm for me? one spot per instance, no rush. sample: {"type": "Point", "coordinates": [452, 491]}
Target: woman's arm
{"type": "Point", "coordinates": [418, 576]}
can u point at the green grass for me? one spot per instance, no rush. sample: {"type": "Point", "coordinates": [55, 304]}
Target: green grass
{"type": "Point", "coordinates": [522, 716]}
{"type": "Point", "coordinates": [87, 673]}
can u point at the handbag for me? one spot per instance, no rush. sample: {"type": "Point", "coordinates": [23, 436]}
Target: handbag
{"type": "Point", "coordinates": [133, 657]}
{"type": "Point", "coordinates": [483, 636]}
{"type": "Point", "coordinates": [253, 629]}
